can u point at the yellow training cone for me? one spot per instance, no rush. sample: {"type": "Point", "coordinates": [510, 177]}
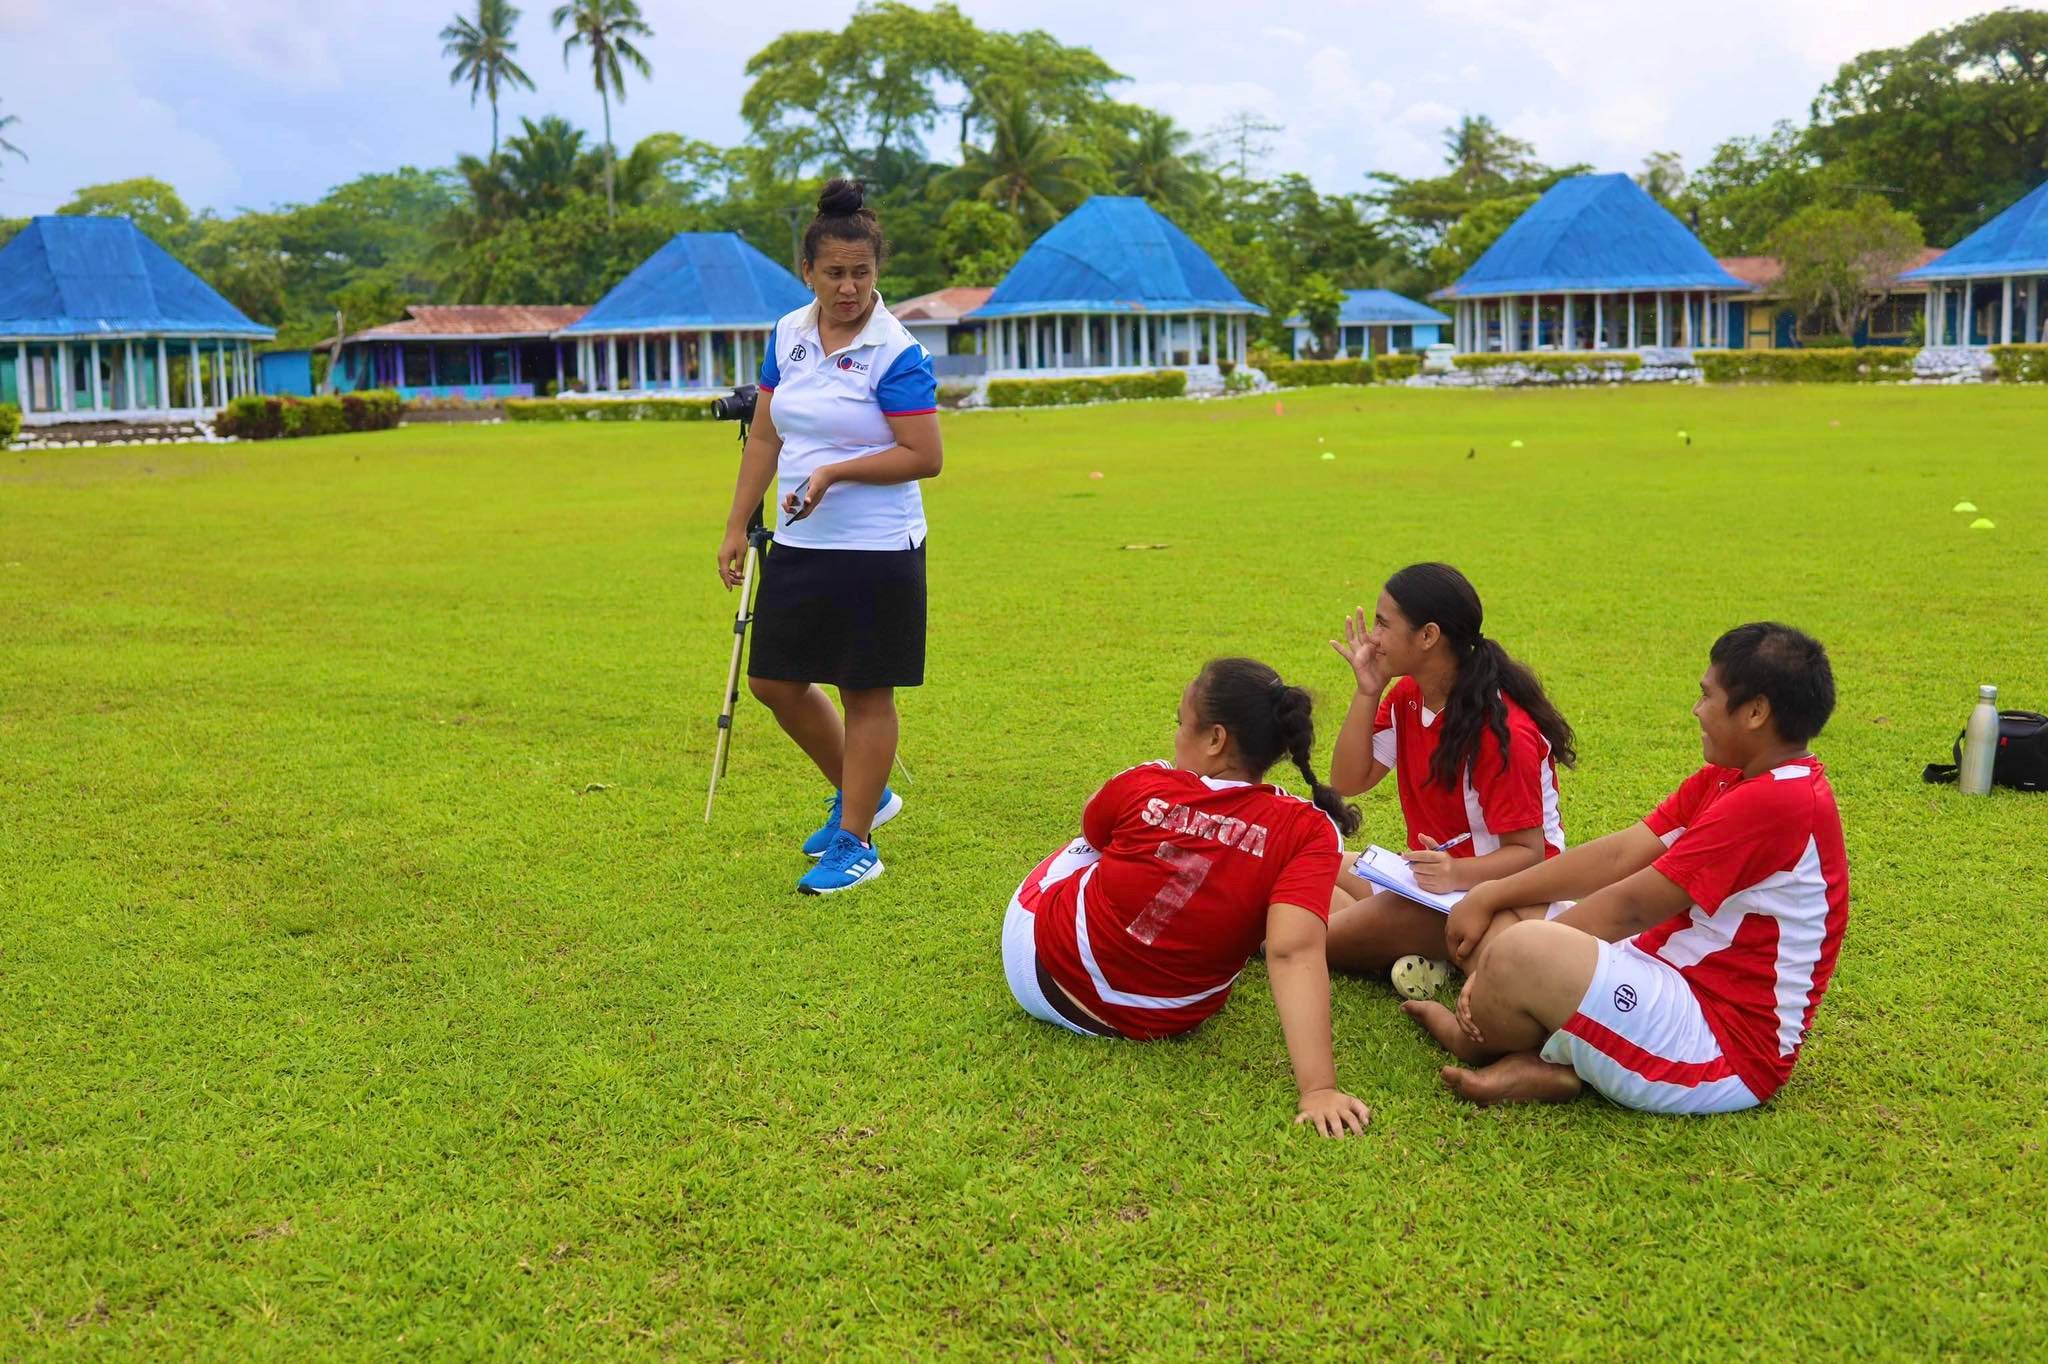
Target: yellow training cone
{"type": "Point", "coordinates": [1966, 506]}
{"type": "Point", "coordinates": [1981, 523]}
{"type": "Point", "coordinates": [1514, 445]}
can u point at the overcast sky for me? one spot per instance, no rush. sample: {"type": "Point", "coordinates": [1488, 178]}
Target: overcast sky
{"type": "Point", "coordinates": [245, 104]}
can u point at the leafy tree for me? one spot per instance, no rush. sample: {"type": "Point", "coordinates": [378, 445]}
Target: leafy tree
{"type": "Point", "coordinates": [978, 242]}
{"type": "Point", "coordinates": [1662, 177]}
{"type": "Point", "coordinates": [1319, 305]}
{"type": "Point", "coordinates": [1839, 260]}
{"type": "Point", "coordinates": [607, 28]}
{"type": "Point", "coordinates": [849, 98]}
{"type": "Point", "coordinates": [1751, 184]}
{"type": "Point", "coordinates": [243, 258]}
{"type": "Point", "coordinates": [545, 162]}
{"type": "Point", "coordinates": [8, 121]}
{"type": "Point", "coordinates": [1484, 164]}
{"type": "Point", "coordinates": [570, 256]}
{"type": "Point", "coordinates": [1029, 166]}
{"type": "Point", "coordinates": [1954, 126]}
{"type": "Point", "coordinates": [1478, 230]}
{"type": "Point", "coordinates": [483, 49]}
{"type": "Point", "coordinates": [1311, 232]}
{"type": "Point", "coordinates": [153, 205]}
{"type": "Point", "coordinates": [1152, 160]}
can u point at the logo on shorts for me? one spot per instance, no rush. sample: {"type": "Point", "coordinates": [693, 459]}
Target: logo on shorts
{"type": "Point", "coordinates": [798, 353]}
{"type": "Point", "coordinates": [1625, 998]}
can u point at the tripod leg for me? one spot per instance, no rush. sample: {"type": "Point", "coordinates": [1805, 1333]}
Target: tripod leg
{"type": "Point", "coordinates": [730, 699]}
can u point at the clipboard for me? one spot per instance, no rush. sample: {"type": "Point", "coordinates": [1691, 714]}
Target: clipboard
{"type": "Point", "coordinates": [1390, 871]}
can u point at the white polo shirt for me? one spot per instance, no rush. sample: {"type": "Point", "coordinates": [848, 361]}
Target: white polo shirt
{"type": "Point", "coordinates": [834, 406]}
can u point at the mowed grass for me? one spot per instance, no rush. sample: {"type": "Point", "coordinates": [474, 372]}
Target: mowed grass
{"type": "Point", "coordinates": [371, 985]}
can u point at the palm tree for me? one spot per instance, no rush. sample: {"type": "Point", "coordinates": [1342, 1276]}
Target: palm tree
{"type": "Point", "coordinates": [544, 162]}
{"type": "Point", "coordinates": [7, 121]}
{"type": "Point", "coordinates": [1027, 166]}
{"type": "Point", "coordinates": [1152, 162]}
{"type": "Point", "coordinates": [483, 51]}
{"type": "Point", "coordinates": [607, 28]}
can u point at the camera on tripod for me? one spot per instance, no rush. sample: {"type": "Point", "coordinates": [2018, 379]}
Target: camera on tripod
{"type": "Point", "coordinates": [736, 406]}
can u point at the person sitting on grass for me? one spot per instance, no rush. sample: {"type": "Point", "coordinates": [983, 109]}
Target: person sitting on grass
{"type": "Point", "coordinates": [1474, 745]}
{"type": "Point", "coordinates": [1140, 927]}
{"type": "Point", "coordinates": [1685, 979]}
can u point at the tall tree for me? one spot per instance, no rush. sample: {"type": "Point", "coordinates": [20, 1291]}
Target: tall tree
{"type": "Point", "coordinates": [1663, 177]}
{"type": "Point", "coordinates": [1483, 157]}
{"type": "Point", "coordinates": [1749, 185]}
{"type": "Point", "coordinates": [1243, 141]}
{"type": "Point", "coordinates": [1838, 261]}
{"type": "Point", "coordinates": [1028, 167]}
{"type": "Point", "coordinates": [1953, 126]}
{"type": "Point", "coordinates": [607, 28]}
{"type": "Point", "coordinates": [483, 49]}
{"type": "Point", "coordinates": [151, 204]}
{"type": "Point", "coordinates": [8, 121]}
{"type": "Point", "coordinates": [1483, 163]}
{"type": "Point", "coordinates": [1153, 161]}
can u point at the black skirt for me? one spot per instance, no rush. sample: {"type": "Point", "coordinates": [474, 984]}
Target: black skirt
{"type": "Point", "coordinates": [851, 618]}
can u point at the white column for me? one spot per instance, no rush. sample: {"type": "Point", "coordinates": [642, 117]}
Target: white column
{"type": "Point", "coordinates": [220, 374]}
{"type": "Point", "coordinates": [1213, 356]}
{"type": "Point", "coordinates": [163, 375]}
{"type": "Point", "coordinates": [63, 376]}
{"type": "Point", "coordinates": [192, 374]}
{"type": "Point", "coordinates": [1116, 341]}
{"type": "Point", "coordinates": [1087, 342]}
{"type": "Point", "coordinates": [2005, 314]}
{"type": "Point", "coordinates": [1660, 318]}
{"type": "Point", "coordinates": [675, 360]}
{"type": "Point", "coordinates": [92, 371]}
{"type": "Point", "coordinates": [1599, 325]}
{"type": "Point", "coordinates": [1059, 342]}
{"type": "Point", "coordinates": [128, 374]}
{"type": "Point", "coordinates": [2033, 310]}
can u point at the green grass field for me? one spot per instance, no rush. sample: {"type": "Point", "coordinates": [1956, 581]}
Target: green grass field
{"type": "Point", "coordinates": [370, 985]}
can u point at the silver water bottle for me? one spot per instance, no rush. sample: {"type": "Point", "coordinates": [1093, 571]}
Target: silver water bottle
{"type": "Point", "coordinates": [1980, 744]}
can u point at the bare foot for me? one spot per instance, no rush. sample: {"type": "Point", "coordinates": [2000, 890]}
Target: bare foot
{"type": "Point", "coordinates": [1442, 1025]}
{"type": "Point", "coordinates": [1521, 1078]}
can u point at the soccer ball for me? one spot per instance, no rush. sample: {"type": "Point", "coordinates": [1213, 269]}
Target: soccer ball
{"type": "Point", "coordinates": [1419, 977]}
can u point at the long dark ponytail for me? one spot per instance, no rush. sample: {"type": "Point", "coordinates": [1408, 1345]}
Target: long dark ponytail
{"type": "Point", "coordinates": [1438, 593]}
{"type": "Point", "coordinates": [1267, 720]}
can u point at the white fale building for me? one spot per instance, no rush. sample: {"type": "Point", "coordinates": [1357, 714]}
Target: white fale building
{"type": "Point", "coordinates": [1115, 287]}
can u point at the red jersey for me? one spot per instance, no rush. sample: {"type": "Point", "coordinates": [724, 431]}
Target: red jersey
{"type": "Point", "coordinates": [1763, 862]}
{"type": "Point", "coordinates": [1152, 937]}
{"type": "Point", "coordinates": [1489, 800]}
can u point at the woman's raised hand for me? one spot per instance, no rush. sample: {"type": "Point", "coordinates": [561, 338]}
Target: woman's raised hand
{"type": "Point", "coordinates": [1361, 653]}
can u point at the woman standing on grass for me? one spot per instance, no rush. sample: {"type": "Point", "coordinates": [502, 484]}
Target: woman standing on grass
{"type": "Point", "coordinates": [1473, 742]}
{"type": "Point", "coordinates": [847, 422]}
{"type": "Point", "coordinates": [1140, 927]}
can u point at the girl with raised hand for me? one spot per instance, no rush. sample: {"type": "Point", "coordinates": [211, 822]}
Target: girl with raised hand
{"type": "Point", "coordinates": [1140, 927]}
{"type": "Point", "coordinates": [1474, 745]}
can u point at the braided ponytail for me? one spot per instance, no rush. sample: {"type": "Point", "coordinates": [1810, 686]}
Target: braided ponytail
{"type": "Point", "coordinates": [1268, 720]}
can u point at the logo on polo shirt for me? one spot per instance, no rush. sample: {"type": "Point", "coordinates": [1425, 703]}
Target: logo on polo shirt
{"type": "Point", "coordinates": [848, 362]}
{"type": "Point", "coordinates": [797, 354]}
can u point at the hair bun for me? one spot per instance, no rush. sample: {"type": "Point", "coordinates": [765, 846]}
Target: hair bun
{"type": "Point", "coordinates": [843, 198]}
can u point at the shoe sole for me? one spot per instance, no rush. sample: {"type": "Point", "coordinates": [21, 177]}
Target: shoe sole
{"type": "Point", "coordinates": [870, 874]}
{"type": "Point", "coordinates": [882, 816]}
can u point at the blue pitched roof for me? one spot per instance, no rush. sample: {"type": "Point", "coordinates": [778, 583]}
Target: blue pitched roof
{"type": "Point", "coordinates": [1115, 254]}
{"type": "Point", "coordinates": [64, 277]}
{"type": "Point", "coordinates": [2013, 243]}
{"type": "Point", "coordinates": [1377, 307]}
{"type": "Point", "coordinates": [699, 279]}
{"type": "Point", "coordinates": [1593, 232]}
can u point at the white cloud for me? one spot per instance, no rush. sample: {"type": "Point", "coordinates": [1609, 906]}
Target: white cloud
{"type": "Point", "coordinates": [1284, 35]}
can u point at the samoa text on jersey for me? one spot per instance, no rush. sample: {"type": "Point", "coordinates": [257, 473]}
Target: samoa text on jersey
{"type": "Point", "coordinates": [831, 406]}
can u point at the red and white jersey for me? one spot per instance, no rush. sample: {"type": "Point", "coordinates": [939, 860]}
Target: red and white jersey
{"type": "Point", "coordinates": [1763, 861]}
{"type": "Point", "coordinates": [1490, 800]}
{"type": "Point", "coordinates": [1152, 937]}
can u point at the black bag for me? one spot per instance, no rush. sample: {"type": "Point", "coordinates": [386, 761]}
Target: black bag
{"type": "Point", "coordinates": [2020, 761]}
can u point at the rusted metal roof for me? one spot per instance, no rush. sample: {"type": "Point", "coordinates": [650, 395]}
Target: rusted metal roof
{"type": "Point", "coordinates": [942, 305]}
{"type": "Point", "coordinates": [469, 321]}
{"type": "Point", "coordinates": [1764, 272]}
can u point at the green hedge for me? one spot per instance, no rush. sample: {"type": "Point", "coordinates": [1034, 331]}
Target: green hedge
{"type": "Point", "coordinates": [1560, 363]}
{"type": "Point", "coordinates": [10, 422]}
{"type": "Point", "coordinates": [1159, 383]}
{"type": "Point", "coordinates": [2016, 365]}
{"type": "Point", "coordinates": [1316, 373]}
{"type": "Point", "coordinates": [253, 417]}
{"type": "Point", "coordinates": [608, 410]}
{"type": "Point", "coordinates": [1833, 365]}
{"type": "Point", "coordinates": [1392, 369]}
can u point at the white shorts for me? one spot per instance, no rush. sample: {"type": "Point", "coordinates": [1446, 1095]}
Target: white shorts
{"type": "Point", "coordinates": [1640, 1038]}
{"type": "Point", "coordinates": [1020, 944]}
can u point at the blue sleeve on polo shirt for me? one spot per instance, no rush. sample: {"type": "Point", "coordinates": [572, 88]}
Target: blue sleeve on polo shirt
{"type": "Point", "coordinates": [771, 373]}
{"type": "Point", "coordinates": [909, 387]}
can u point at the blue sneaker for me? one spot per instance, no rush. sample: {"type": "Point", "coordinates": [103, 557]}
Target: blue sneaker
{"type": "Point", "coordinates": [815, 845]}
{"type": "Point", "coordinates": [846, 864]}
